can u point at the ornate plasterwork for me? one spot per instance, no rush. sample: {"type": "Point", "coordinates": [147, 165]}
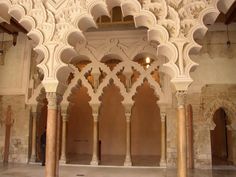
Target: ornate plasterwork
{"type": "Point", "coordinates": [171, 23]}
{"type": "Point", "coordinates": [126, 46]}
{"type": "Point", "coordinates": [229, 108]}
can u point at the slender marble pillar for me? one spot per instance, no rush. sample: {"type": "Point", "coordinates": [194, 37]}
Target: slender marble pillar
{"type": "Point", "coordinates": [34, 125]}
{"type": "Point", "coordinates": [128, 161]}
{"type": "Point", "coordinates": [63, 140]}
{"type": "Point", "coordinates": [181, 135]}
{"type": "Point", "coordinates": [58, 140]}
{"type": "Point", "coordinates": [95, 140]}
{"type": "Point", "coordinates": [190, 136]}
{"type": "Point", "coordinates": [163, 140]}
{"type": "Point", "coordinates": [51, 135]}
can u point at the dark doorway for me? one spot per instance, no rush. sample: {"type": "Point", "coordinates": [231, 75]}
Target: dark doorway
{"type": "Point", "coordinates": [220, 139]}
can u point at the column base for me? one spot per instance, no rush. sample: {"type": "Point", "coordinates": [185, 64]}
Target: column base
{"type": "Point", "coordinates": [62, 161]}
{"type": "Point", "coordinates": [32, 158]}
{"type": "Point", "coordinates": [163, 163]}
{"type": "Point", "coordinates": [94, 161]}
{"type": "Point", "coordinates": [127, 162]}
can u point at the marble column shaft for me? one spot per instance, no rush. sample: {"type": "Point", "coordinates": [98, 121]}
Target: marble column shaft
{"type": "Point", "coordinates": [58, 141]}
{"type": "Point", "coordinates": [95, 140]}
{"type": "Point", "coordinates": [190, 136]}
{"type": "Point", "coordinates": [128, 161]}
{"type": "Point", "coordinates": [51, 135]}
{"type": "Point", "coordinates": [163, 140]}
{"type": "Point", "coordinates": [181, 136]}
{"type": "Point", "coordinates": [63, 141]}
{"type": "Point", "coordinates": [34, 125]}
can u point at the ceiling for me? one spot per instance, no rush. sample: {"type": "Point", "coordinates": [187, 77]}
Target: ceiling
{"type": "Point", "coordinates": [13, 28]}
{"type": "Point", "coordinates": [229, 17]}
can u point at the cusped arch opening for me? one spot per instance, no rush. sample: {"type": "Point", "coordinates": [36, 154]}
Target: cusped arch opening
{"type": "Point", "coordinates": [111, 60]}
{"type": "Point", "coordinates": [80, 61]}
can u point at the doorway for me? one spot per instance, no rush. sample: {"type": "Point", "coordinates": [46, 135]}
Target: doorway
{"type": "Point", "coordinates": [221, 140]}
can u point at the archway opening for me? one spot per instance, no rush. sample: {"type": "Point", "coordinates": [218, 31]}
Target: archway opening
{"type": "Point", "coordinates": [145, 128]}
{"type": "Point", "coordinates": [221, 140]}
{"type": "Point", "coordinates": [41, 125]}
{"type": "Point", "coordinates": [112, 127]}
{"type": "Point", "coordinates": [80, 128]}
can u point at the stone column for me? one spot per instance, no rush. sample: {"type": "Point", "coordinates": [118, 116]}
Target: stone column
{"type": "Point", "coordinates": [34, 125]}
{"type": "Point", "coordinates": [189, 126]}
{"type": "Point", "coordinates": [181, 135]}
{"type": "Point", "coordinates": [128, 161]}
{"type": "Point", "coordinates": [94, 160]}
{"type": "Point", "coordinates": [58, 140]}
{"type": "Point", "coordinates": [163, 140]}
{"type": "Point", "coordinates": [63, 140]}
{"type": "Point", "coordinates": [51, 135]}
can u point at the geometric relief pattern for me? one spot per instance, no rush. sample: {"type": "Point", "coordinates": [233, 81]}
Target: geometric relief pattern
{"type": "Point", "coordinates": [56, 26]}
{"type": "Point", "coordinates": [96, 49]}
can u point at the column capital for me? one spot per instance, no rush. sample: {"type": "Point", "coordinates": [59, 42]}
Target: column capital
{"type": "Point", "coordinates": [181, 97]}
{"type": "Point", "coordinates": [95, 117]}
{"type": "Point", "coordinates": [95, 107]}
{"type": "Point", "coordinates": [163, 116]}
{"type": "Point", "coordinates": [33, 108]}
{"type": "Point", "coordinates": [53, 100]}
{"type": "Point", "coordinates": [64, 117]}
{"type": "Point", "coordinates": [128, 117]}
{"type": "Point", "coordinates": [128, 108]}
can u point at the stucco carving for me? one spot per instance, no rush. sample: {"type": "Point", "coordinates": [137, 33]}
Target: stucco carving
{"type": "Point", "coordinates": [95, 49]}
{"type": "Point", "coordinates": [229, 108]}
{"type": "Point", "coordinates": [56, 25]}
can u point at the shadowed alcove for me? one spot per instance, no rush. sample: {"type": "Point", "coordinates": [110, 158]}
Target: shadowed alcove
{"type": "Point", "coordinates": [145, 128]}
{"type": "Point", "coordinates": [80, 128]}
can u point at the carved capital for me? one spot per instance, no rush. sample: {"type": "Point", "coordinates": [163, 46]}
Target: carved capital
{"type": "Point", "coordinates": [52, 100]}
{"type": "Point", "coordinates": [95, 107]}
{"type": "Point", "coordinates": [163, 116]}
{"type": "Point", "coordinates": [95, 117]}
{"type": "Point", "coordinates": [64, 117]}
{"type": "Point", "coordinates": [128, 117]}
{"type": "Point", "coordinates": [181, 97]}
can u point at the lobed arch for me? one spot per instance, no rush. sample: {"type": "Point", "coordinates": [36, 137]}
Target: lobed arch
{"type": "Point", "coordinates": [229, 108]}
{"type": "Point", "coordinates": [46, 25]}
{"type": "Point", "coordinates": [26, 14]}
{"type": "Point", "coordinates": [112, 75]}
{"type": "Point", "coordinates": [141, 18]}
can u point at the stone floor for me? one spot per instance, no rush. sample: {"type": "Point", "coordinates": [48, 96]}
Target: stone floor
{"type": "Point", "coordinates": [35, 170]}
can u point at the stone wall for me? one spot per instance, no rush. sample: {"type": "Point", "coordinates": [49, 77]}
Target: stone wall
{"type": "Point", "coordinates": [14, 73]}
{"type": "Point", "coordinates": [214, 79]}
{"type": "Point", "coordinates": [20, 130]}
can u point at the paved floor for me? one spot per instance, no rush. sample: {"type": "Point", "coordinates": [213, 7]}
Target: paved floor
{"type": "Point", "coordinates": [16, 170]}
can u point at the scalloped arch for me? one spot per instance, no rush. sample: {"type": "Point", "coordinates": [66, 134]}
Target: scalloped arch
{"type": "Point", "coordinates": [97, 9]}
{"type": "Point", "coordinates": [20, 14]}
{"type": "Point", "coordinates": [85, 21]}
{"type": "Point", "coordinates": [72, 36]}
{"type": "Point", "coordinates": [229, 108]}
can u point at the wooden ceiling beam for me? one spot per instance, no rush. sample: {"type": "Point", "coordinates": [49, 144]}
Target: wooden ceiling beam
{"type": "Point", "coordinates": [15, 24]}
{"type": "Point", "coordinates": [4, 29]}
{"type": "Point", "coordinates": [231, 14]}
